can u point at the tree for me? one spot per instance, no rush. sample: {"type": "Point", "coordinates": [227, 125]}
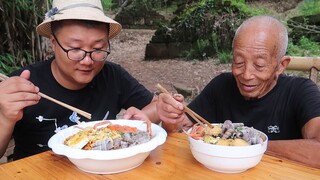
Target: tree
{"type": "Point", "coordinates": [20, 44]}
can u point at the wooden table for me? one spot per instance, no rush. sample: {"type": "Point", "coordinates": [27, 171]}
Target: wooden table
{"type": "Point", "coordinates": [172, 160]}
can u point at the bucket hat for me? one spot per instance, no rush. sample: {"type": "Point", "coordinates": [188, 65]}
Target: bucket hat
{"type": "Point", "coordinates": [78, 10]}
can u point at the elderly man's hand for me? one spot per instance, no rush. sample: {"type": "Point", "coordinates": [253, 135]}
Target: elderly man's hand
{"type": "Point", "coordinates": [171, 112]}
{"type": "Point", "coordinates": [170, 108]}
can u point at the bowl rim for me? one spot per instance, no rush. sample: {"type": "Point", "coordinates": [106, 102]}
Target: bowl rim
{"type": "Point", "coordinates": [228, 151]}
{"type": "Point", "coordinates": [56, 144]}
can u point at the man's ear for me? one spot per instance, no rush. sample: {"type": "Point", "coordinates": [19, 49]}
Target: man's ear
{"type": "Point", "coordinates": [52, 40]}
{"type": "Point", "coordinates": [285, 60]}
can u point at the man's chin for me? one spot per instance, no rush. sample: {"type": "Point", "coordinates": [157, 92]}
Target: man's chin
{"type": "Point", "coordinates": [84, 82]}
{"type": "Point", "coordinates": [249, 97]}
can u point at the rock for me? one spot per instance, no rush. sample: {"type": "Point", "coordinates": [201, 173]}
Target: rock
{"type": "Point", "coordinates": [158, 50]}
{"type": "Point", "coordinates": [184, 90]}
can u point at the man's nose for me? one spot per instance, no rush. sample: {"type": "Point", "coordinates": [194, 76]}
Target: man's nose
{"type": "Point", "coordinates": [87, 59]}
{"type": "Point", "coordinates": [248, 72]}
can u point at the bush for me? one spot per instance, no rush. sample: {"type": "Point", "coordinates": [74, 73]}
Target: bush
{"type": "Point", "coordinates": [225, 57]}
{"type": "Point", "coordinates": [209, 24]}
{"type": "Point", "coordinates": [309, 7]}
{"type": "Point", "coordinates": [304, 47]}
{"type": "Point", "coordinates": [7, 63]}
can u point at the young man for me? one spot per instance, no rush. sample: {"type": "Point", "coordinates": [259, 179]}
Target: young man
{"type": "Point", "coordinates": [256, 93]}
{"type": "Point", "coordinates": [79, 75]}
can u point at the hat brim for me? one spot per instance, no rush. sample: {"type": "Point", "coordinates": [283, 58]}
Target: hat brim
{"type": "Point", "coordinates": [83, 13]}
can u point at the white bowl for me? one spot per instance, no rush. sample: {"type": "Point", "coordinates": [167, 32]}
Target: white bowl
{"type": "Point", "coordinates": [228, 159]}
{"type": "Point", "coordinates": [112, 161]}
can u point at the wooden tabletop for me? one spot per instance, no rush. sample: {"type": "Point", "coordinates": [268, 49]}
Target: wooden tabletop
{"type": "Point", "coordinates": [172, 160]}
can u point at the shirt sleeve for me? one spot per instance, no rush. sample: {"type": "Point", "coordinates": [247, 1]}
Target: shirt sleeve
{"type": "Point", "coordinates": [307, 101]}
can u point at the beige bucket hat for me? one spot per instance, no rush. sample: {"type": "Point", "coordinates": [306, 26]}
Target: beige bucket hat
{"type": "Point", "coordinates": [77, 9]}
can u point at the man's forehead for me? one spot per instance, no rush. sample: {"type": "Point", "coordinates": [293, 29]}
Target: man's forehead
{"type": "Point", "coordinates": [256, 37]}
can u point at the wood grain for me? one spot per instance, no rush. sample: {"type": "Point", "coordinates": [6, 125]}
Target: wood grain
{"type": "Point", "coordinates": [172, 160]}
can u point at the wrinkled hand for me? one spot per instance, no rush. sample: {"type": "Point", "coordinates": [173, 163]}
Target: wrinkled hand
{"type": "Point", "coordinates": [17, 93]}
{"type": "Point", "coordinates": [171, 112]}
{"type": "Point", "coordinates": [136, 114]}
{"type": "Point", "coordinates": [170, 108]}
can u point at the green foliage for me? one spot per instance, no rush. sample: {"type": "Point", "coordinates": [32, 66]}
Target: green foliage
{"type": "Point", "coordinates": [241, 4]}
{"type": "Point", "coordinates": [210, 25]}
{"type": "Point", "coordinates": [19, 40]}
{"type": "Point", "coordinates": [138, 7]}
{"type": "Point", "coordinates": [7, 63]}
{"type": "Point", "coordinates": [304, 47]}
{"type": "Point", "coordinates": [225, 57]}
{"type": "Point", "coordinates": [107, 4]}
{"type": "Point", "coordinates": [199, 51]}
{"type": "Point", "coordinates": [139, 14]}
{"type": "Point", "coordinates": [165, 7]}
{"type": "Point", "coordinates": [309, 7]}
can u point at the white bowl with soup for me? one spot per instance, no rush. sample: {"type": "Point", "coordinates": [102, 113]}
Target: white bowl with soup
{"type": "Point", "coordinates": [108, 160]}
{"type": "Point", "coordinates": [226, 156]}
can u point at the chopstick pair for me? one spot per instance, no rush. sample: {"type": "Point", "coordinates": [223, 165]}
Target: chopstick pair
{"type": "Point", "coordinates": [187, 110]}
{"type": "Point", "coordinates": [83, 113]}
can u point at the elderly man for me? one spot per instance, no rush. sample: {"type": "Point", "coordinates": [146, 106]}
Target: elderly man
{"type": "Point", "coordinates": [257, 94]}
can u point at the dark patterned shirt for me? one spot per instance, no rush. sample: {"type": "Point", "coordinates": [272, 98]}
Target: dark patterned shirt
{"type": "Point", "coordinates": [110, 91]}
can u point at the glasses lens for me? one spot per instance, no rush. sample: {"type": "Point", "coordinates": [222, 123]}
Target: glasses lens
{"type": "Point", "coordinates": [76, 54]}
{"type": "Point", "coordinates": [99, 55]}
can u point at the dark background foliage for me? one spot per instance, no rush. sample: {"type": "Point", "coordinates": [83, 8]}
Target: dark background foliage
{"type": "Point", "coordinates": [208, 25]}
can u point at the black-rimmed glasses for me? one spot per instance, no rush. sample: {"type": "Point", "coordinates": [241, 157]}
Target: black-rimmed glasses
{"type": "Point", "coordinates": [77, 54]}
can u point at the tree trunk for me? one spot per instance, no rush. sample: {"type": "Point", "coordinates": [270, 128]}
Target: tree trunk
{"type": "Point", "coordinates": [122, 6]}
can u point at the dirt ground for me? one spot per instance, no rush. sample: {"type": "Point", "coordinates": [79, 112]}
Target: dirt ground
{"type": "Point", "coordinates": [128, 50]}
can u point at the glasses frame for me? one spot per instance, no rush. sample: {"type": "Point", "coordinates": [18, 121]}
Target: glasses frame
{"type": "Point", "coordinates": [85, 52]}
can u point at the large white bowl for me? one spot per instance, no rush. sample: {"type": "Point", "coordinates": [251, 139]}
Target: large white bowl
{"type": "Point", "coordinates": [112, 161]}
{"type": "Point", "coordinates": [228, 159]}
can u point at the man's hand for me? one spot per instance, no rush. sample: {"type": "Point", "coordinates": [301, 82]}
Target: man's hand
{"type": "Point", "coordinates": [171, 112]}
{"type": "Point", "coordinates": [170, 108]}
{"type": "Point", "coordinates": [136, 114]}
{"type": "Point", "coordinates": [17, 93]}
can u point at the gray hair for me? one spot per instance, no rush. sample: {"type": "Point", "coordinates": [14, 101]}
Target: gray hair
{"type": "Point", "coordinates": [269, 22]}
